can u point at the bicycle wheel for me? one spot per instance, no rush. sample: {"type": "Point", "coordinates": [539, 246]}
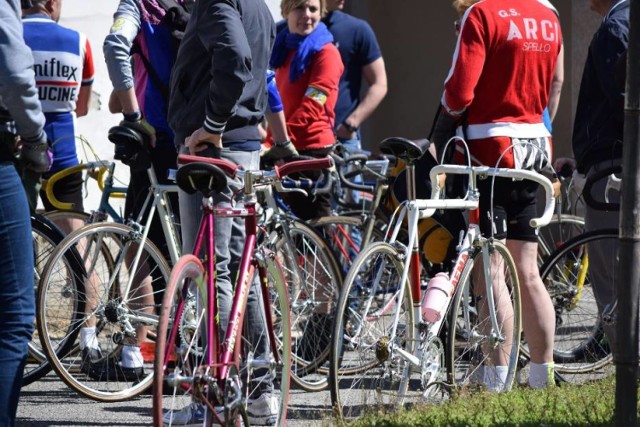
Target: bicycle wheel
{"type": "Point", "coordinates": [560, 229]}
{"type": "Point", "coordinates": [580, 344]}
{"type": "Point", "coordinates": [474, 346]}
{"type": "Point", "coordinates": [183, 376]}
{"type": "Point", "coordinates": [45, 239]}
{"type": "Point", "coordinates": [314, 282]}
{"type": "Point", "coordinates": [56, 216]}
{"type": "Point", "coordinates": [367, 370]}
{"type": "Point", "coordinates": [110, 257]}
{"type": "Point", "coordinates": [268, 375]}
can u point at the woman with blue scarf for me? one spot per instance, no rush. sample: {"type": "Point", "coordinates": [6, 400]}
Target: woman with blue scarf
{"type": "Point", "coordinates": [308, 68]}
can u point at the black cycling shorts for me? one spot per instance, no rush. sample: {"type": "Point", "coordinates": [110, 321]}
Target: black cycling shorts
{"type": "Point", "coordinates": [67, 190]}
{"type": "Point", "coordinates": [514, 205]}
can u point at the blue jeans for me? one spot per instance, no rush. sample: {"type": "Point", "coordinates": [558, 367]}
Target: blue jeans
{"type": "Point", "coordinates": [353, 146]}
{"type": "Point", "coordinates": [229, 242]}
{"type": "Point", "coordinates": [17, 305]}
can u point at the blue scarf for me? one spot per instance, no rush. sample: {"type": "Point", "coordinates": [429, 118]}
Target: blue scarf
{"type": "Point", "coordinates": [306, 47]}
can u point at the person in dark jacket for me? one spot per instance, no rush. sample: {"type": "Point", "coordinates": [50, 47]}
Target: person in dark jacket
{"type": "Point", "coordinates": [218, 98]}
{"type": "Point", "coordinates": [20, 115]}
{"type": "Point", "coordinates": [598, 135]}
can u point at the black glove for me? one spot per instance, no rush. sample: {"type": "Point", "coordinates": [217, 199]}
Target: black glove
{"type": "Point", "coordinates": [280, 150]}
{"type": "Point", "coordinates": [35, 154]}
{"type": "Point", "coordinates": [444, 127]}
{"type": "Point", "coordinates": [137, 122]}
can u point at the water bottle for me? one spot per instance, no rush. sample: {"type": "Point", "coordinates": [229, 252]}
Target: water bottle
{"type": "Point", "coordinates": [436, 298]}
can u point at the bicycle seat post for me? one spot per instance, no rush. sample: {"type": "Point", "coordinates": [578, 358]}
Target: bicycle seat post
{"type": "Point", "coordinates": [411, 180]}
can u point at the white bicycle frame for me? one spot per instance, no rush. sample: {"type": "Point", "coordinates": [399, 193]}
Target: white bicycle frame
{"type": "Point", "coordinates": [158, 197]}
{"type": "Point", "coordinates": [424, 208]}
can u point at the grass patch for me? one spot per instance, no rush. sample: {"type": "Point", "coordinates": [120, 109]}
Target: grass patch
{"type": "Point", "coordinates": [585, 405]}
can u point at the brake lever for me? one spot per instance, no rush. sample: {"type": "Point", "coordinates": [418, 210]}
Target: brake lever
{"type": "Point", "coordinates": [281, 189]}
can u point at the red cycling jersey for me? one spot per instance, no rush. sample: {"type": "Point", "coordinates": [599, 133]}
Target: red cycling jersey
{"type": "Point", "coordinates": [501, 74]}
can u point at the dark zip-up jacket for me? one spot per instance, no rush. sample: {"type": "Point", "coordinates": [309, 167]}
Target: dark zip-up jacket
{"type": "Point", "coordinates": [218, 80]}
{"type": "Point", "coordinates": [18, 93]}
{"type": "Point", "coordinates": [599, 121]}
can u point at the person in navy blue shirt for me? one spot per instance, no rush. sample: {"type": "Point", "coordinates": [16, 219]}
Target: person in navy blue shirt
{"type": "Point", "coordinates": [598, 133]}
{"type": "Point", "coordinates": [362, 58]}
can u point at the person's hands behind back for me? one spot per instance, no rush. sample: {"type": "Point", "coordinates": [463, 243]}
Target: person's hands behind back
{"type": "Point", "coordinates": [280, 150]}
{"type": "Point", "coordinates": [35, 154]}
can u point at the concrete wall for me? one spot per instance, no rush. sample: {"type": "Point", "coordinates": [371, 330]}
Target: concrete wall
{"type": "Point", "coordinates": [417, 39]}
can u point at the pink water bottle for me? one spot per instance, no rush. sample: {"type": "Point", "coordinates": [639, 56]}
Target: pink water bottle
{"type": "Point", "coordinates": [436, 298]}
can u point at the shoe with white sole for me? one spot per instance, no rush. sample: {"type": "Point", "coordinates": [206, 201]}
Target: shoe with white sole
{"type": "Point", "coordinates": [191, 415]}
{"type": "Point", "coordinates": [263, 410]}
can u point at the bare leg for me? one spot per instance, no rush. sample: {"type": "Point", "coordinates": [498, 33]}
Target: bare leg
{"type": "Point", "coordinates": [537, 308]}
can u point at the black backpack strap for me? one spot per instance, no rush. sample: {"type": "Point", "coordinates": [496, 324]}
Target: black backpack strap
{"type": "Point", "coordinates": [176, 17]}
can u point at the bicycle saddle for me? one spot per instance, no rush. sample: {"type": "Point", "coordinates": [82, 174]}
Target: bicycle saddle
{"type": "Point", "coordinates": [405, 149]}
{"type": "Point", "coordinates": [201, 177]}
{"type": "Point", "coordinates": [130, 147]}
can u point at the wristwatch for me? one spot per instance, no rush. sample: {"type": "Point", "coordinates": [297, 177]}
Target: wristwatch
{"type": "Point", "coordinates": [348, 127]}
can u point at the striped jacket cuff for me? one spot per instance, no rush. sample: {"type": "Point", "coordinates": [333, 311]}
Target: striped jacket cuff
{"type": "Point", "coordinates": [212, 126]}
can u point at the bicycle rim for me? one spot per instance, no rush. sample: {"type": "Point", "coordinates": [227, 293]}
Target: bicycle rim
{"type": "Point", "coordinates": [474, 348]}
{"type": "Point", "coordinates": [266, 365]}
{"type": "Point", "coordinates": [560, 229]}
{"type": "Point", "coordinates": [313, 286]}
{"type": "Point", "coordinates": [45, 239]}
{"type": "Point", "coordinates": [367, 373]}
{"type": "Point", "coordinates": [181, 343]}
{"type": "Point", "coordinates": [580, 343]}
{"type": "Point", "coordinates": [108, 254]}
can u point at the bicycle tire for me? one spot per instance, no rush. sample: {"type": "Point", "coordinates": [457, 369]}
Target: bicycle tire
{"type": "Point", "coordinates": [560, 229]}
{"type": "Point", "coordinates": [182, 331]}
{"type": "Point", "coordinates": [278, 311]}
{"type": "Point", "coordinates": [580, 345]}
{"type": "Point", "coordinates": [179, 302]}
{"type": "Point", "coordinates": [61, 313]}
{"type": "Point", "coordinates": [471, 344]}
{"type": "Point", "coordinates": [313, 298]}
{"type": "Point", "coordinates": [45, 239]}
{"type": "Point", "coordinates": [54, 216]}
{"type": "Point", "coordinates": [366, 373]}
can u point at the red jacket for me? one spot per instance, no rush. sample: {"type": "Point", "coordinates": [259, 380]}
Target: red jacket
{"type": "Point", "coordinates": [309, 102]}
{"type": "Point", "coordinates": [502, 70]}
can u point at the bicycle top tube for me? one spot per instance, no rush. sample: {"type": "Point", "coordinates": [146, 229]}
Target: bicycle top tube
{"type": "Point", "coordinates": [471, 200]}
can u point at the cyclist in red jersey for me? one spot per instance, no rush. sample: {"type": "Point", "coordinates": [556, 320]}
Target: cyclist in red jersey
{"type": "Point", "coordinates": [495, 95]}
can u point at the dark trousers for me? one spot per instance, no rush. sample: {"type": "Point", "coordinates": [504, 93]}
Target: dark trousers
{"type": "Point", "coordinates": [17, 306]}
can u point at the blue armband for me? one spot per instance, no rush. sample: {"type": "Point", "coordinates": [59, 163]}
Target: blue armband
{"type": "Point", "coordinates": [275, 102]}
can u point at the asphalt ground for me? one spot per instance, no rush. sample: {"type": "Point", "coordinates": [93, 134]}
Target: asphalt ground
{"type": "Point", "coordinates": [49, 402]}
